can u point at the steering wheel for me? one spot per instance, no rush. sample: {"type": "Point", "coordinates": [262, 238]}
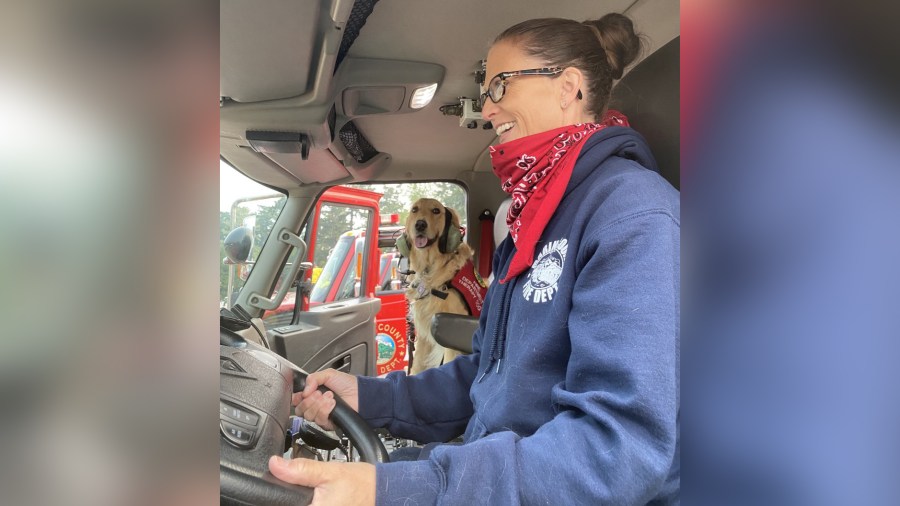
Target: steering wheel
{"type": "Point", "coordinates": [254, 408]}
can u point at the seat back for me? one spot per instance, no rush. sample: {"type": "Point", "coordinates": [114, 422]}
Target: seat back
{"type": "Point", "coordinates": [649, 96]}
{"type": "Point", "coordinates": [501, 230]}
{"type": "Point", "coordinates": [454, 331]}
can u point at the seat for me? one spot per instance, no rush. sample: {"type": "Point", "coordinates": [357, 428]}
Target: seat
{"type": "Point", "coordinates": [455, 330]}
{"type": "Point", "coordinates": [501, 230]}
{"type": "Point", "coordinates": [649, 96]}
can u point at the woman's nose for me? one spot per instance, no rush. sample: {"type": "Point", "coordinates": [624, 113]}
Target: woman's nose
{"type": "Point", "coordinates": [489, 109]}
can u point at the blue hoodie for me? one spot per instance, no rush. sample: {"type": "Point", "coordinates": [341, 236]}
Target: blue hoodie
{"type": "Point", "coordinates": [572, 393]}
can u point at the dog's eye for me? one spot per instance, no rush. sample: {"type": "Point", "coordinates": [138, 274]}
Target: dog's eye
{"type": "Point", "coordinates": [435, 211]}
{"type": "Point", "coordinates": [415, 209]}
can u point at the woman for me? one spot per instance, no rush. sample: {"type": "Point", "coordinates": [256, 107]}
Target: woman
{"type": "Point", "coordinates": [571, 394]}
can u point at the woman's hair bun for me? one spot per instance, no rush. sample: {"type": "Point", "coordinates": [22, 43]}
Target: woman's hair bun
{"type": "Point", "coordinates": [622, 45]}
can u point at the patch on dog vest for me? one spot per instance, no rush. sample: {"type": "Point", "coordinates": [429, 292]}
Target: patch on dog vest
{"type": "Point", "coordinates": [471, 286]}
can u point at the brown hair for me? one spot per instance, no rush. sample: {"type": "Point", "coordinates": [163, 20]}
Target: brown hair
{"type": "Point", "coordinates": [600, 48]}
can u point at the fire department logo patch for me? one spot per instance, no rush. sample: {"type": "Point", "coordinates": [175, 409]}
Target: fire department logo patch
{"type": "Point", "coordinates": [543, 279]}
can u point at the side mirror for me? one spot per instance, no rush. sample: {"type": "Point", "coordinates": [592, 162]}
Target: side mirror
{"type": "Point", "coordinates": [238, 244]}
{"type": "Point", "coordinates": [402, 270]}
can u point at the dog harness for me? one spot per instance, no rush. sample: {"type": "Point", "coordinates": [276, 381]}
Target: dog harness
{"type": "Point", "coordinates": [467, 282]}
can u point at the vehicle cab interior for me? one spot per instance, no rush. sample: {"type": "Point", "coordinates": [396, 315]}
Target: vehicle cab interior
{"type": "Point", "coordinates": [321, 93]}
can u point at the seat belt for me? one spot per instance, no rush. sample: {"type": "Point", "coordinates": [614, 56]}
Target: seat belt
{"type": "Point", "coordinates": [486, 245]}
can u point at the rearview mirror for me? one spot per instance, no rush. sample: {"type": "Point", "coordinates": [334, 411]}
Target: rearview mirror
{"type": "Point", "coordinates": [238, 244]}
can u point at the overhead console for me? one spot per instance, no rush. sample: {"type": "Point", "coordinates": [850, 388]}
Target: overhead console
{"type": "Point", "coordinates": [289, 94]}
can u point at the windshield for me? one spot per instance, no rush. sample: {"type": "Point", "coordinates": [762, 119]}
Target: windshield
{"type": "Point", "coordinates": [243, 203]}
{"type": "Point", "coordinates": [339, 261]}
{"type": "Point", "coordinates": [397, 198]}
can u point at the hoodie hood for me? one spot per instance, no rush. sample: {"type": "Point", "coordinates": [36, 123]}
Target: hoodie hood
{"type": "Point", "coordinates": [624, 142]}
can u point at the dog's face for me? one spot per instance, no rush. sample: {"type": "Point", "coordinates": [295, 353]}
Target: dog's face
{"type": "Point", "coordinates": [426, 223]}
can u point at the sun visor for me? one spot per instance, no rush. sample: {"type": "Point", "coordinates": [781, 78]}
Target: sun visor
{"type": "Point", "coordinates": [265, 54]}
{"type": "Point", "coordinates": [290, 151]}
{"type": "Point", "coordinates": [279, 143]}
{"type": "Point", "coordinates": [319, 167]}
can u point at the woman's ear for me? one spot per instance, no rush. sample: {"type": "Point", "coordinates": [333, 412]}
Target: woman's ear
{"type": "Point", "coordinates": [571, 81]}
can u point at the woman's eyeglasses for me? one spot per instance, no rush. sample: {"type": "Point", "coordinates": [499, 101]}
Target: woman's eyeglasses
{"type": "Point", "coordinates": [496, 87]}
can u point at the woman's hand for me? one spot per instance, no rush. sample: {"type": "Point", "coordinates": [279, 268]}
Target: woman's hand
{"type": "Point", "coordinates": [336, 483]}
{"type": "Point", "coordinates": [315, 406]}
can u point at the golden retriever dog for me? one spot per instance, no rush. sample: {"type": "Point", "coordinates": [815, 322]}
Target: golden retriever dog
{"type": "Point", "coordinates": [436, 253]}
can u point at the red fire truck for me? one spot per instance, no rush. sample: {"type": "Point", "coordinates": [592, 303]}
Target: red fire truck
{"type": "Point", "coordinates": [351, 261]}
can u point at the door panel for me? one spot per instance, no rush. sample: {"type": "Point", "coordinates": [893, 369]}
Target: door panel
{"type": "Point", "coordinates": [346, 362]}
{"type": "Point", "coordinates": [340, 335]}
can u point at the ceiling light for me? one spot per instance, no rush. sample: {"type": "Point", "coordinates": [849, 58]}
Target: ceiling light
{"type": "Point", "coordinates": [422, 96]}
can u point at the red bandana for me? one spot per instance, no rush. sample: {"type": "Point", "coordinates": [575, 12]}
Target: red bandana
{"type": "Point", "coordinates": [535, 170]}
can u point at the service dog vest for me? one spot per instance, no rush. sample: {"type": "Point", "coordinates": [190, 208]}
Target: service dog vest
{"type": "Point", "coordinates": [471, 286]}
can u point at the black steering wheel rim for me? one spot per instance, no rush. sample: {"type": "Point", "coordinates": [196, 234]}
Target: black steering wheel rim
{"type": "Point", "coordinates": [239, 484]}
{"type": "Point", "coordinates": [238, 487]}
{"type": "Point", "coordinates": [363, 438]}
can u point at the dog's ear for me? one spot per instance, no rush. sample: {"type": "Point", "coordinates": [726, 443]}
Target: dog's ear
{"type": "Point", "coordinates": [403, 245]}
{"type": "Point", "coordinates": [452, 237]}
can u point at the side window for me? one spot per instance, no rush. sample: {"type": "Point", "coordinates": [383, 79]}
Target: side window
{"type": "Point", "coordinates": [243, 203]}
{"type": "Point", "coordinates": [284, 314]}
{"type": "Point", "coordinates": [340, 256]}
{"type": "Point", "coordinates": [394, 204]}
{"type": "Point", "coordinates": [352, 256]}
{"type": "Point", "coordinates": [397, 198]}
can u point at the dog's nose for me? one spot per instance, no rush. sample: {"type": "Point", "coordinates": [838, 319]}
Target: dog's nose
{"type": "Point", "coordinates": [421, 225]}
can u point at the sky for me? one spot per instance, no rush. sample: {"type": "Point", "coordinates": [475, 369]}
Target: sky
{"type": "Point", "coordinates": [233, 185]}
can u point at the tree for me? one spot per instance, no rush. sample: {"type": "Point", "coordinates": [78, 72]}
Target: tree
{"type": "Point", "coordinates": [334, 221]}
{"type": "Point", "coordinates": [265, 220]}
{"type": "Point", "coordinates": [399, 197]}
{"type": "Point", "coordinates": [224, 228]}
{"type": "Point", "coordinates": [260, 216]}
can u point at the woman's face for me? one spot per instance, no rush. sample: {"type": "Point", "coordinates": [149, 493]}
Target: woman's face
{"type": "Point", "coordinates": [530, 105]}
